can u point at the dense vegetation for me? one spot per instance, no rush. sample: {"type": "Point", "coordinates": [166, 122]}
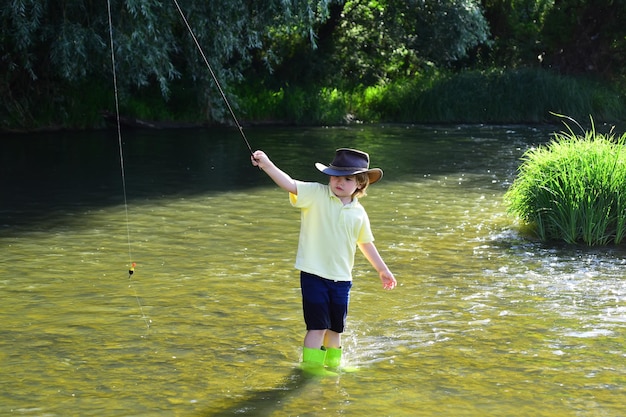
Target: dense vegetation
{"type": "Point", "coordinates": [312, 61]}
{"type": "Point", "coordinates": [572, 190]}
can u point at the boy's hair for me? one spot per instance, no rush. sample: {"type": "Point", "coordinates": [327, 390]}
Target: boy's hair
{"type": "Point", "coordinates": [363, 180]}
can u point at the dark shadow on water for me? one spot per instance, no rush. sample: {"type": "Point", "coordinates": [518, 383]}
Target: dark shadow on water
{"type": "Point", "coordinates": [265, 402]}
{"type": "Point", "coordinates": [49, 177]}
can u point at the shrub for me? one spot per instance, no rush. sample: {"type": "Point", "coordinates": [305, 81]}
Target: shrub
{"type": "Point", "coordinates": [573, 189]}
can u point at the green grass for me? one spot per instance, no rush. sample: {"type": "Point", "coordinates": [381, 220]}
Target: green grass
{"type": "Point", "coordinates": [573, 189]}
{"type": "Point", "coordinates": [495, 96]}
{"type": "Point", "coordinates": [293, 104]}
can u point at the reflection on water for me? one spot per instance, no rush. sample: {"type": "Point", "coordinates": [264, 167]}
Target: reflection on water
{"type": "Point", "coordinates": [484, 322]}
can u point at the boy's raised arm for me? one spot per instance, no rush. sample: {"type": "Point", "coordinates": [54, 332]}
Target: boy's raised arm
{"type": "Point", "coordinates": [281, 178]}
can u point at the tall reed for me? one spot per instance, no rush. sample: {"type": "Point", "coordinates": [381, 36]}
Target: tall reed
{"type": "Point", "coordinates": [573, 189]}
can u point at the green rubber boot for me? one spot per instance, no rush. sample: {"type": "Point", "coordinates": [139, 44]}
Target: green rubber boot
{"type": "Point", "coordinates": [333, 357]}
{"type": "Point", "coordinates": [313, 362]}
{"type": "Point", "coordinates": [333, 361]}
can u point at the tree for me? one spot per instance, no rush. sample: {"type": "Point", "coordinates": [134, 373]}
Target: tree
{"type": "Point", "coordinates": [47, 46]}
{"type": "Point", "coordinates": [516, 27]}
{"type": "Point", "coordinates": [586, 37]}
{"type": "Point", "coordinates": [569, 36]}
{"type": "Point", "coordinates": [376, 40]}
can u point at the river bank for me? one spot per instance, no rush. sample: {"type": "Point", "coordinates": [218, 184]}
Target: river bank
{"type": "Point", "coordinates": [528, 96]}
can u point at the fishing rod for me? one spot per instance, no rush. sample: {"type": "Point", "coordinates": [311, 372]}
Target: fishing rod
{"type": "Point", "coordinates": [131, 269]}
{"type": "Point", "coordinates": [217, 83]}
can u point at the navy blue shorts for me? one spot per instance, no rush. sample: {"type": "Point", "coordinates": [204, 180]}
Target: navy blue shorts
{"type": "Point", "coordinates": [324, 302]}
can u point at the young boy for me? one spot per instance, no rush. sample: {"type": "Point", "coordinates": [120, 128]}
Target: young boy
{"type": "Point", "coordinates": [333, 224]}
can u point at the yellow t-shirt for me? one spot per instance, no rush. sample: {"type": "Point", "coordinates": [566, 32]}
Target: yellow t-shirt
{"type": "Point", "coordinates": [329, 231]}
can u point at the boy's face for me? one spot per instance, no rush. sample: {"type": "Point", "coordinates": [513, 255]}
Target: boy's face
{"type": "Point", "coordinates": [343, 187]}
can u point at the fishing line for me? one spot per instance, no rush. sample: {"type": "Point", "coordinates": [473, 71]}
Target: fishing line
{"type": "Point", "coordinates": [217, 83]}
{"type": "Point", "coordinates": [132, 264]}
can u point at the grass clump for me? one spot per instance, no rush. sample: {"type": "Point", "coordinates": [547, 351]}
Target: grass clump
{"type": "Point", "coordinates": [572, 189]}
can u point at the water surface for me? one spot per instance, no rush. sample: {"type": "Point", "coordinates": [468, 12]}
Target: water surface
{"type": "Point", "coordinates": [484, 321]}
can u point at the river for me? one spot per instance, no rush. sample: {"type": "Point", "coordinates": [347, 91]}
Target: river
{"type": "Point", "coordinates": [484, 322]}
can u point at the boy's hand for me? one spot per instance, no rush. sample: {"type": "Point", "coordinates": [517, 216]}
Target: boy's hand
{"type": "Point", "coordinates": [260, 159]}
{"type": "Point", "coordinates": [388, 280]}
{"type": "Point", "coordinates": [283, 180]}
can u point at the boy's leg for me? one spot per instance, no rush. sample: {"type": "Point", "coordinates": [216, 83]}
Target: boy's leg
{"type": "Point", "coordinates": [332, 342]}
{"type": "Point", "coordinates": [340, 298]}
{"type": "Point", "coordinates": [316, 317]}
{"type": "Point", "coordinates": [325, 305]}
{"type": "Point", "coordinates": [315, 307]}
{"type": "Point", "coordinates": [332, 339]}
{"type": "Point", "coordinates": [314, 339]}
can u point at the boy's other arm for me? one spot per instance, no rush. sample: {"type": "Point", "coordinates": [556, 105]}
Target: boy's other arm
{"type": "Point", "coordinates": [374, 258]}
{"type": "Point", "coordinates": [281, 178]}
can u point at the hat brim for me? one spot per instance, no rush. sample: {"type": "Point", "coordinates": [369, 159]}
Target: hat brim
{"type": "Point", "coordinates": [374, 174]}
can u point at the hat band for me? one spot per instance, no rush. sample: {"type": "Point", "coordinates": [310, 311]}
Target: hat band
{"type": "Point", "coordinates": [348, 168]}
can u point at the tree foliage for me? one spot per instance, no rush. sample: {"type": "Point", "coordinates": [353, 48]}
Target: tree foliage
{"type": "Point", "coordinates": [569, 36]}
{"type": "Point", "coordinates": [368, 41]}
{"type": "Point", "coordinates": [388, 38]}
{"type": "Point", "coordinates": [50, 50]}
{"type": "Point", "coordinates": [586, 37]}
{"type": "Point", "coordinates": [516, 27]}
{"type": "Point", "coordinates": [49, 44]}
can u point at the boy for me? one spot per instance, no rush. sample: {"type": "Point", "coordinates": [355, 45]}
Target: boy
{"type": "Point", "coordinates": [333, 224]}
